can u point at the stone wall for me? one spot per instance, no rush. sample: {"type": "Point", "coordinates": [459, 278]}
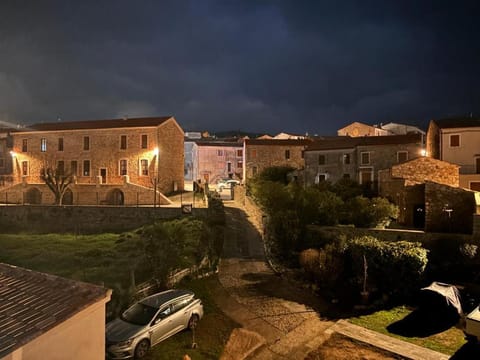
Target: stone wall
{"type": "Point", "coordinates": [427, 169]}
{"type": "Point", "coordinates": [83, 219]}
{"type": "Point", "coordinates": [449, 209]}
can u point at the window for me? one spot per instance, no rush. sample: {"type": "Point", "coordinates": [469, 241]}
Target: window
{"type": "Point", "coordinates": [219, 152]}
{"type": "Point", "coordinates": [2, 162]}
{"type": "Point", "coordinates": [321, 159]}
{"type": "Point", "coordinates": [454, 140]}
{"type": "Point", "coordinates": [346, 159]}
{"type": "Point", "coordinates": [287, 154]}
{"type": "Point", "coordinates": [254, 153]}
{"type": "Point", "coordinates": [24, 145]}
{"type": "Point", "coordinates": [346, 176]}
{"type": "Point", "coordinates": [43, 144]}
{"type": "Point", "coordinates": [144, 167]}
{"type": "Point", "coordinates": [402, 156]}
{"type": "Point", "coordinates": [123, 167]}
{"type": "Point", "coordinates": [254, 170]}
{"type": "Point", "coordinates": [365, 158]}
{"type": "Point", "coordinates": [144, 141]}
{"type": "Point", "coordinates": [239, 153]}
{"type": "Point", "coordinates": [123, 142]}
{"type": "Point", "coordinates": [366, 176]}
{"type": "Point", "coordinates": [86, 143]}
{"type": "Point", "coordinates": [239, 164]}
{"type": "Point", "coordinates": [61, 167]}
{"type": "Point", "coordinates": [477, 165]}
{"type": "Point", "coordinates": [302, 154]}
{"type": "Point", "coordinates": [24, 168]}
{"type": "Point", "coordinates": [86, 167]}
{"type": "Point", "coordinates": [73, 167]}
{"type": "Point", "coordinates": [60, 144]}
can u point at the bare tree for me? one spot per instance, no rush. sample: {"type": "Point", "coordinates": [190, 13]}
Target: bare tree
{"type": "Point", "coordinates": [57, 181]}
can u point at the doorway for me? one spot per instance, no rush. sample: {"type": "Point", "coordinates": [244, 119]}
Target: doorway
{"type": "Point", "coordinates": [419, 216]}
{"type": "Point", "coordinates": [103, 175]}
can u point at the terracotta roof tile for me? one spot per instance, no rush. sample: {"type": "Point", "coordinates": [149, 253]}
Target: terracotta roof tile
{"type": "Point", "coordinates": [32, 303]}
{"type": "Point", "coordinates": [346, 142]}
{"type": "Point", "coordinates": [98, 124]}
{"type": "Point", "coordinates": [278, 142]}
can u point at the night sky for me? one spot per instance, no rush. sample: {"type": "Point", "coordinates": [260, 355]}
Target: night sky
{"type": "Point", "coordinates": [262, 66]}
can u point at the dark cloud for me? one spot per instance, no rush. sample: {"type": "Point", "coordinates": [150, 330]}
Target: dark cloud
{"type": "Point", "coordinates": [262, 66]}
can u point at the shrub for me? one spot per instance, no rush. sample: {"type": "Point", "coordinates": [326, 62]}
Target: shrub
{"type": "Point", "coordinates": [276, 174]}
{"type": "Point", "coordinates": [363, 212]}
{"type": "Point", "coordinates": [309, 260]}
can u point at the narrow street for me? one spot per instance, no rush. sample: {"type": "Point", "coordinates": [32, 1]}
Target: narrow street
{"type": "Point", "coordinates": [287, 319]}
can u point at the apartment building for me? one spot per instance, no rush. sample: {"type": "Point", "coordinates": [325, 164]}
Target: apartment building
{"type": "Point", "coordinates": [113, 162]}
{"type": "Point", "coordinates": [457, 141]}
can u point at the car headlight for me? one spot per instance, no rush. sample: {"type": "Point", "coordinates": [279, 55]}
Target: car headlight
{"type": "Point", "coordinates": [125, 343]}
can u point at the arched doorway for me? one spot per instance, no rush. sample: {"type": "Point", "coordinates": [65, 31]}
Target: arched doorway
{"type": "Point", "coordinates": [67, 197]}
{"type": "Point", "coordinates": [115, 197]}
{"type": "Point", "coordinates": [33, 196]}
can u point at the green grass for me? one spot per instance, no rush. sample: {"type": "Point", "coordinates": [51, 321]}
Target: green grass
{"type": "Point", "coordinates": [447, 342]}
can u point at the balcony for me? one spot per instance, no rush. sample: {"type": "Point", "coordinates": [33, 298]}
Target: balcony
{"type": "Point", "coordinates": [469, 170]}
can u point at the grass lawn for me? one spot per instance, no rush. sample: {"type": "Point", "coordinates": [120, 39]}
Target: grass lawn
{"type": "Point", "coordinates": [447, 342]}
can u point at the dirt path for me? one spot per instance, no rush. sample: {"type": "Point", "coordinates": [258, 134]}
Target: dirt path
{"type": "Point", "coordinates": [287, 318]}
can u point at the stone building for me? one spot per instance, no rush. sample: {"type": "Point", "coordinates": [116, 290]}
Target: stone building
{"type": "Point", "coordinates": [404, 185]}
{"type": "Point", "coordinates": [358, 158]}
{"type": "Point", "coordinates": [217, 159]}
{"type": "Point", "coordinates": [5, 157]}
{"type": "Point", "coordinates": [259, 154]}
{"type": "Point", "coordinates": [47, 317]}
{"type": "Point", "coordinates": [114, 162]}
{"type": "Point", "coordinates": [356, 129]}
{"type": "Point", "coordinates": [457, 141]}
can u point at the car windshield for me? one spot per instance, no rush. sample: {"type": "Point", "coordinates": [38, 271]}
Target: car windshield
{"type": "Point", "coordinates": [139, 314]}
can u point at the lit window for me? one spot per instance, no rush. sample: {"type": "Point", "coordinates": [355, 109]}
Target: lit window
{"type": "Point", "coordinates": [24, 145]}
{"type": "Point", "coordinates": [144, 141]}
{"type": "Point", "coordinates": [287, 154]}
{"type": "Point", "coordinates": [123, 142]}
{"type": "Point", "coordinates": [43, 144]}
{"type": "Point", "coordinates": [86, 143]}
{"type": "Point", "coordinates": [365, 158]}
{"type": "Point", "coordinates": [144, 167]}
{"type": "Point", "coordinates": [454, 140]}
{"type": "Point", "coordinates": [123, 167]}
{"type": "Point", "coordinates": [86, 167]}
{"type": "Point", "coordinates": [321, 159]}
{"type": "Point", "coordinates": [60, 144]}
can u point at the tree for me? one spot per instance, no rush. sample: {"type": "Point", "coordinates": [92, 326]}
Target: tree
{"type": "Point", "coordinates": [57, 181]}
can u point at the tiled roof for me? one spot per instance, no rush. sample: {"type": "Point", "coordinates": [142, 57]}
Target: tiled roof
{"type": "Point", "coordinates": [286, 142]}
{"type": "Point", "coordinates": [458, 122]}
{"type": "Point", "coordinates": [346, 142]}
{"type": "Point", "coordinates": [99, 124]}
{"type": "Point", "coordinates": [220, 143]}
{"type": "Point", "coordinates": [31, 303]}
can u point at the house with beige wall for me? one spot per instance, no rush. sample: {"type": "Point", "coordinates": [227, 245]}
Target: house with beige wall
{"type": "Point", "coordinates": [217, 159]}
{"type": "Point", "coordinates": [360, 129]}
{"type": "Point", "coordinates": [262, 153]}
{"type": "Point", "coordinates": [113, 162]}
{"type": "Point", "coordinates": [49, 317]}
{"type": "Point", "coordinates": [358, 158]}
{"type": "Point", "coordinates": [457, 141]}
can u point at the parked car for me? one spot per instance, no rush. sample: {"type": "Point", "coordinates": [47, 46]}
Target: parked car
{"type": "Point", "coordinates": [227, 184]}
{"type": "Point", "coordinates": [150, 321]}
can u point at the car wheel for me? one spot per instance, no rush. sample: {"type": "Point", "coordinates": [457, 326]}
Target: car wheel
{"type": "Point", "coordinates": [193, 322]}
{"type": "Point", "coordinates": [141, 349]}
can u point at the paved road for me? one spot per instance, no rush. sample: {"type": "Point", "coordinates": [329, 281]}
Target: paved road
{"type": "Point", "coordinates": [287, 318]}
